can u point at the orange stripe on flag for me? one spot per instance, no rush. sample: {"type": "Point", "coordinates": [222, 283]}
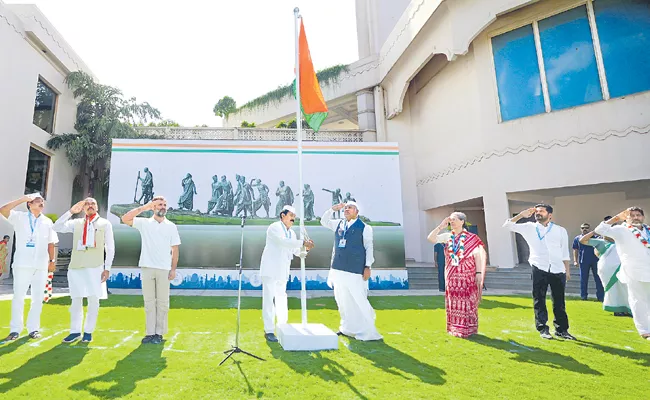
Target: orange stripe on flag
{"type": "Point", "coordinates": [311, 96]}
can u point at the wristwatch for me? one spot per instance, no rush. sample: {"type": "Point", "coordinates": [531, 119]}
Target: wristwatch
{"type": "Point", "coordinates": [52, 261]}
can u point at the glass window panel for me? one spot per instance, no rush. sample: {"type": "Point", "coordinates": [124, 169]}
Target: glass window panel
{"type": "Point", "coordinates": [38, 167]}
{"type": "Point", "coordinates": [624, 32]}
{"type": "Point", "coordinates": [44, 107]}
{"type": "Point", "coordinates": [517, 71]}
{"type": "Point", "coordinates": [569, 59]}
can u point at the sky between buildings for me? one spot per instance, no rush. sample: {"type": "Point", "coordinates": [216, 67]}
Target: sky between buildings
{"type": "Point", "coordinates": [182, 57]}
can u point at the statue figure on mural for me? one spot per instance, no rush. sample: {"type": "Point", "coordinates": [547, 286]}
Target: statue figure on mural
{"type": "Point", "coordinates": [263, 199]}
{"type": "Point", "coordinates": [336, 199]}
{"type": "Point", "coordinates": [243, 197]}
{"type": "Point", "coordinates": [285, 198]}
{"type": "Point", "coordinates": [146, 184]}
{"type": "Point", "coordinates": [348, 197]}
{"type": "Point", "coordinates": [225, 202]}
{"type": "Point", "coordinates": [308, 201]}
{"type": "Point", "coordinates": [186, 201]}
{"type": "Point", "coordinates": [216, 193]}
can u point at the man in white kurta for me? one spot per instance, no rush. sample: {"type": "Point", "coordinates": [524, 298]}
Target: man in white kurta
{"type": "Point", "coordinates": [35, 256]}
{"type": "Point", "coordinates": [88, 270]}
{"type": "Point", "coordinates": [352, 260]}
{"type": "Point", "coordinates": [633, 246]}
{"type": "Point", "coordinates": [281, 245]}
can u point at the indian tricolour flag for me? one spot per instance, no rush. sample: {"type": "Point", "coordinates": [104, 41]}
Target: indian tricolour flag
{"type": "Point", "coordinates": [312, 103]}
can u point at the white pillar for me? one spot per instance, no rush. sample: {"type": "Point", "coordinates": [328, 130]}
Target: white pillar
{"type": "Point", "coordinates": [380, 114]}
{"type": "Point", "coordinates": [363, 29]}
{"type": "Point", "coordinates": [366, 110]}
{"type": "Point", "coordinates": [502, 249]}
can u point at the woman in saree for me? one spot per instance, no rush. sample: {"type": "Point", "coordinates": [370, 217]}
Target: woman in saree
{"type": "Point", "coordinates": [465, 264]}
{"type": "Point", "coordinates": [609, 264]}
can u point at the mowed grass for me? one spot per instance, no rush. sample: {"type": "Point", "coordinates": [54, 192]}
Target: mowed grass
{"type": "Point", "coordinates": [416, 360]}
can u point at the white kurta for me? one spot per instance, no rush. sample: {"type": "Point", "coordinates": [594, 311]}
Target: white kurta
{"type": "Point", "coordinates": [280, 248]}
{"type": "Point", "coordinates": [635, 271]}
{"type": "Point", "coordinates": [351, 291]}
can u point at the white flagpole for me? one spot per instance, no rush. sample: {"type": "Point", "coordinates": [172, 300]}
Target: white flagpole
{"type": "Point", "coordinates": [301, 205]}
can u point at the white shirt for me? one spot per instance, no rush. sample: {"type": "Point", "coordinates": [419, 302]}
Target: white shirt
{"type": "Point", "coordinates": [281, 245]}
{"type": "Point", "coordinates": [32, 257]}
{"type": "Point", "coordinates": [635, 257]}
{"type": "Point", "coordinates": [547, 253]}
{"type": "Point", "coordinates": [331, 224]}
{"type": "Point", "coordinates": [65, 225]}
{"type": "Point", "coordinates": [157, 241]}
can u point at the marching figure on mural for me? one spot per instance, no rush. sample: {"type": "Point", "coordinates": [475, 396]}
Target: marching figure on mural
{"type": "Point", "coordinates": [146, 185]}
{"type": "Point", "coordinates": [4, 253]}
{"type": "Point", "coordinates": [281, 245]}
{"type": "Point", "coordinates": [336, 199]}
{"type": "Point", "coordinates": [35, 256]}
{"type": "Point", "coordinates": [352, 260]}
{"type": "Point", "coordinates": [88, 271]}
{"type": "Point", "coordinates": [216, 193]}
{"type": "Point", "coordinates": [633, 246]}
{"type": "Point", "coordinates": [225, 204]}
{"type": "Point", "coordinates": [549, 258]}
{"type": "Point", "coordinates": [186, 201]}
{"type": "Point", "coordinates": [263, 199]}
{"type": "Point", "coordinates": [158, 261]}
{"type": "Point", "coordinates": [308, 202]}
{"type": "Point", "coordinates": [609, 264]}
{"type": "Point", "coordinates": [465, 266]}
{"type": "Point", "coordinates": [285, 198]}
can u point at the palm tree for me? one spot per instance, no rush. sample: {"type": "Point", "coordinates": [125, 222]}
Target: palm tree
{"type": "Point", "coordinates": [102, 114]}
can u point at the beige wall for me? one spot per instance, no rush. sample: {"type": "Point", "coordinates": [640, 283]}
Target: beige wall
{"type": "Point", "coordinates": [20, 69]}
{"type": "Point", "coordinates": [453, 143]}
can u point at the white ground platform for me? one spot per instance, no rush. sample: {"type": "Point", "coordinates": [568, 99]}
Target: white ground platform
{"type": "Point", "coordinates": [311, 337]}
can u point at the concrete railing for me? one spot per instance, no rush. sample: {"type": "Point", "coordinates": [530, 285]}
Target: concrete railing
{"type": "Point", "coordinates": [258, 134]}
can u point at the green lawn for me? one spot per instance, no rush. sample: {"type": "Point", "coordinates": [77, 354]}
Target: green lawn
{"type": "Point", "coordinates": [416, 360]}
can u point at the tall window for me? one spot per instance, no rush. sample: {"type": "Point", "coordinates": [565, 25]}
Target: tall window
{"type": "Point", "coordinates": [38, 168]}
{"type": "Point", "coordinates": [44, 107]}
{"type": "Point", "coordinates": [586, 54]}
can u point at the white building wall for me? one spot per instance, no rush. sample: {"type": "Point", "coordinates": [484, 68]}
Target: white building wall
{"type": "Point", "coordinates": [20, 70]}
{"type": "Point", "coordinates": [460, 151]}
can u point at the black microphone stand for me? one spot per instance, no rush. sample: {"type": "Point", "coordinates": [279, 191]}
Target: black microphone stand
{"type": "Point", "coordinates": [235, 348]}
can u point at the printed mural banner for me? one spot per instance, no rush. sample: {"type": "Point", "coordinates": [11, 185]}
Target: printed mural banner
{"type": "Point", "coordinates": [210, 185]}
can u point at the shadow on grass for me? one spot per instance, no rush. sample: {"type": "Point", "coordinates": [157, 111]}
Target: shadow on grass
{"type": "Point", "coordinates": [315, 363]}
{"type": "Point", "coordinates": [251, 390]}
{"type": "Point", "coordinates": [10, 347]}
{"type": "Point", "coordinates": [397, 363]}
{"type": "Point", "coordinates": [145, 362]}
{"type": "Point", "coordinates": [535, 355]}
{"type": "Point", "coordinates": [643, 358]}
{"type": "Point", "coordinates": [320, 303]}
{"type": "Point", "coordinates": [52, 362]}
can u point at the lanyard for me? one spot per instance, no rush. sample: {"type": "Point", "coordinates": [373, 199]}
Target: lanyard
{"type": "Point", "coordinates": [550, 226]}
{"type": "Point", "coordinates": [33, 222]}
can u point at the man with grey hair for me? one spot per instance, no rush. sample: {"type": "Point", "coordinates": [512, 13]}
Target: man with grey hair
{"type": "Point", "coordinates": [88, 269]}
{"type": "Point", "coordinates": [352, 260]}
{"type": "Point", "coordinates": [35, 256]}
{"type": "Point", "coordinates": [549, 258]}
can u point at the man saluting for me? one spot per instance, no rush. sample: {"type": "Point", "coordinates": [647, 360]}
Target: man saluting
{"type": "Point", "coordinates": [351, 262]}
{"type": "Point", "coordinates": [88, 271]}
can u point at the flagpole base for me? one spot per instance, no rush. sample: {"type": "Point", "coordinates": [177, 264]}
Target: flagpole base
{"type": "Point", "coordinates": [306, 337]}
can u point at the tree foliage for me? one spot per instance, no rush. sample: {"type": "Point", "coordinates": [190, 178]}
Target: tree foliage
{"type": "Point", "coordinates": [102, 114]}
{"type": "Point", "coordinates": [225, 107]}
{"type": "Point", "coordinates": [246, 124]}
